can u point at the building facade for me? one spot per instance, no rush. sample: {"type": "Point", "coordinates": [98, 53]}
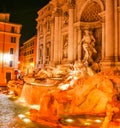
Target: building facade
{"type": "Point", "coordinates": [61, 26]}
{"type": "Point", "coordinates": [9, 48]}
{"type": "Point", "coordinates": [27, 55]}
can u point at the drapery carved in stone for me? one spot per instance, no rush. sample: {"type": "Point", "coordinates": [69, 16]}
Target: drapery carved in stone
{"type": "Point", "coordinates": [65, 46]}
{"type": "Point", "coordinates": [88, 43]}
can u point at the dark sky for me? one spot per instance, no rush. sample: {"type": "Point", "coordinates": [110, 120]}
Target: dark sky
{"type": "Point", "coordinates": [23, 12]}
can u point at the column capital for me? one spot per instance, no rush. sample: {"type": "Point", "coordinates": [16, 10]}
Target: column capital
{"type": "Point", "coordinates": [71, 4]}
{"type": "Point", "coordinates": [58, 12]}
{"type": "Point", "coordinates": [102, 16]}
{"type": "Point", "coordinates": [52, 19]}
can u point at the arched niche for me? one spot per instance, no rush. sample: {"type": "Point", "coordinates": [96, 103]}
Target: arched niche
{"type": "Point", "coordinates": [90, 19]}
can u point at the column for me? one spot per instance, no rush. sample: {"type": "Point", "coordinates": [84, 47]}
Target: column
{"type": "Point", "coordinates": [109, 53]}
{"type": "Point", "coordinates": [70, 34]}
{"type": "Point", "coordinates": [119, 30]}
{"type": "Point", "coordinates": [56, 48]}
{"type": "Point", "coordinates": [60, 40]}
{"type": "Point", "coordinates": [37, 52]}
{"type": "Point", "coordinates": [44, 44]}
{"type": "Point", "coordinates": [79, 45]}
{"type": "Point", "coordinates": [102, 14]}
{"type": "Point", "coordinates": [75, 43]}
{"type": "Point", "coordinates": [52, 39]}
{"type": "Point", "coordinates": [116, 32]}
{"type": "Point", "coordinates": [56, 35]}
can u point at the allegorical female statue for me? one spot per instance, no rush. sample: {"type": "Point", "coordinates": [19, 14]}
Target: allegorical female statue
{"type": "Point", "coordinates": [65, 48]}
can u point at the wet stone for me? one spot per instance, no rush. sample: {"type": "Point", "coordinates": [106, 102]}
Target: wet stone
{"type": "Point", "coordinates": [9, 111]}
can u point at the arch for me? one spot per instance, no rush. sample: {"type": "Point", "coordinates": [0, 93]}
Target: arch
{"type": "Point", "coordinates": [99, 2]}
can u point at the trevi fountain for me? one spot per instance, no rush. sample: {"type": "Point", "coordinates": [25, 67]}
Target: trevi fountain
{"type": "Point", "coordinates": [72, 95]}
{"type": "Point", "coordinates": [79, 94]}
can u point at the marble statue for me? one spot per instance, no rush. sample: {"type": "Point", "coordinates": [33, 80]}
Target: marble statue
{"type": "Point", "coordinates": [65, 48]}
{"type": "Point", "coordinates": [88, 44]}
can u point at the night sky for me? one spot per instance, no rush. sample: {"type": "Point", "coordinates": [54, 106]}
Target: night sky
{"type": "Point", "coordinates": [23, 12]}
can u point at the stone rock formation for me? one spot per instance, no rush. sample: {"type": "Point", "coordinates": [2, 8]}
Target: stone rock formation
{"type": "Point", "coordinates": [92, 95]}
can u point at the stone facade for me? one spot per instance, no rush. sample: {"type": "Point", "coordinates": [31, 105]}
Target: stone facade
{"type": "Point", "coordinates": [63, 22]}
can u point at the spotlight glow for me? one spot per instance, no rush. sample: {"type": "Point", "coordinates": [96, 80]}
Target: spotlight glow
{"type": "Point", "coordinates": [98, 121]}
{"type": "Point", "coordinates": [87, 123]}
{"type": "Point", "coordinates": [26, 120]}
{"type": "Point", "coordinates": [27, 113]}
{"type": "Point", "coordinates": [64, 87]}
{"type": "Point", "coordinates": [22, 100]}
{"type": "Point", "coordinates": [11, 92]}
{"type": "Point", "coordinates": [69, 120]}
{"type": "Point", "coordinates": [37, 107]}
{"type": "Point", "coordinates": [21, 116]}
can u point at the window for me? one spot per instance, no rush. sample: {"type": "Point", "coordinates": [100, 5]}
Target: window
{"type": "Point", "coordinates": [48, 26]}
{"type": "Point", "coordinates": [41, 28]}
{"type": "Point", "coordinates": [47, 51]}
{"type": "Point", "coordinates": [49, 8]}
{"type": "Point", "coordinates": [11, 63]}
{"type": "Point", "coordinates": [13, 39]}
{"type": "Point", "coordinates": [12, 29]}
{"type": "Point", "coordinates": [32, 51]}
{"type": "Point", "coordinates": [31, 60]}
{"type": "Point", "coordinates": [25, 54]}
{"type": "Point", "coordinates": [41, 52]}
{"type": "Point", "coordinates": [11, 50]}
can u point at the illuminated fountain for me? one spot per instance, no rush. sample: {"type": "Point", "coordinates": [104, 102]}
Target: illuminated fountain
{"type": "Point", "coordinates": [74, 96]}
{"type": "Point", "coordinates": [34, 89]}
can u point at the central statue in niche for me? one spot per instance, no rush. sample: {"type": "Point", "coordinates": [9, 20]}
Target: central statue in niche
{"type": "Point", "coordinates": [88, 44]}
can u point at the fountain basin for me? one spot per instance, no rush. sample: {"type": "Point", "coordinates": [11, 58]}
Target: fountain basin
{"type": "Point", "coordinates": [32, 92]}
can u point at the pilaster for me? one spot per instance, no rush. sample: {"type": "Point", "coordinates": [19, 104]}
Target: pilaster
{"type": "Point", "coordinates": [71, 33]}
{"type": "Point", "coordinates": [109, 52]}
{"type": "Point", "coordinates": [44, 45]}
{"type": "Point", "coordinates": [52, 39]}
{"type": "Point", "coordinates": [119, 31]}
{"type": "Point", "coordinates": [102, 15]}
{"type": "Point", "coordinates": [79, 44]}
{"type": "Point", "coordinates": [109, 45]}
{"type": "Point", "coordinates": [57, 36]}
{"type": "Point", "coordinates": [116, 32]}
{"type": "Point", "coordinates": [75, 43]}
